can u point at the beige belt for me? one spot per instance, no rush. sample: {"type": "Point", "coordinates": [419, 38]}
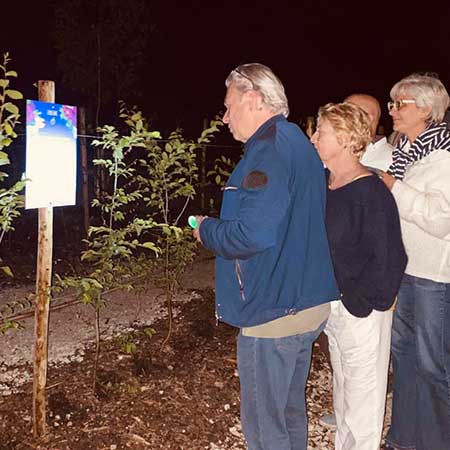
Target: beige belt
{"type": "Point", "coordinates": [302, 322]}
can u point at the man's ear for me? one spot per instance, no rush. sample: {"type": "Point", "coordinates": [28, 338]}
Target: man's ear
{"type": "Point", "coordinates": [255, 99]}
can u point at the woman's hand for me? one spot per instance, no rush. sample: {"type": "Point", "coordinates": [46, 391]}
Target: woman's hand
{"type": "Point", "coordinates": [387, 179]}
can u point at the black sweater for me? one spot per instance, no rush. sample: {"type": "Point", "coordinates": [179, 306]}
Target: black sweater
{"type": "Point", "coordinates": [366, 244]}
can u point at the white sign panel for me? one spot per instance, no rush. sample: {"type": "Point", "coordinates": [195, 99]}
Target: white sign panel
{"type": "Point", "coordinates": [51, 155]}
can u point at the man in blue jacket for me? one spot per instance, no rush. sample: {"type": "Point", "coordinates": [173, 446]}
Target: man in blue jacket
{"type": "Point", "coordinates": [274, 276]}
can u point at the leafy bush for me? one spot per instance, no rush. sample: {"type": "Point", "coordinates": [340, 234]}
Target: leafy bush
{"type": "Point", "coordinates": [11, 199]}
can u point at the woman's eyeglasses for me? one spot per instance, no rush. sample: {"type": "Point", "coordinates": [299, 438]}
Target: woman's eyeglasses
{"type": "Point", "coordinates": [398, 104]}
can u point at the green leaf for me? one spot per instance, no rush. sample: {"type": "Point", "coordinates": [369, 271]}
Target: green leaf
{"type": "Point", "coordinates": [3, 158]}
{"type": "Point", "coordinates": [11, 73]}
{"type": "Point", "coordinates": [151, 246]}
{"type": "Point", "coordinates": [13, 109]}
{"type": "Point", "coordinates": [7, 271]}
{"type": "Point", "coordinates": [15, 95]}
{"type": "Point", "coordinates": [4, 83]}
{"type": "Point", "coordinates": [5, 142]}
{"type": "Point", "coordinates": [135, 117]}
{"type": "Point", "coordinates": [8, 128]}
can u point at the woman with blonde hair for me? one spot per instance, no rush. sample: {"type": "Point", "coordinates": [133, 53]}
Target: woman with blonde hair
{"type": "Point", "coordinates": [369, 259]}
{"type": "Point", "coordinates": [419, 179]}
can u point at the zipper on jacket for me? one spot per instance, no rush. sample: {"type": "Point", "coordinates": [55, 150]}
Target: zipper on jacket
{"type": "Point", "coordinates": [240, 279]}
{"type": "Point", "coordinates": [229, 188]}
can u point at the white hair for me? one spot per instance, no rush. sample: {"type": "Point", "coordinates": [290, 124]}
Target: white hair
{"type": "Point", "coordinates": [427, 91]}
{"type": "Point", "coordinates": [260, 78]}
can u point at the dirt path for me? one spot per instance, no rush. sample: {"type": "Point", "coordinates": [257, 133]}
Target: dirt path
{"type": "Point", "coordinates": [72, 329]}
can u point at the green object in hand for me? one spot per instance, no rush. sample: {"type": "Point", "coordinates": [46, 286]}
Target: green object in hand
{"type": "Point", "coordinates": [192, 221]}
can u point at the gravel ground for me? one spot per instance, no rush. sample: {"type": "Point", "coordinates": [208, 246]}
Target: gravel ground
{"type": "Point", "coordinates": [71, 331]}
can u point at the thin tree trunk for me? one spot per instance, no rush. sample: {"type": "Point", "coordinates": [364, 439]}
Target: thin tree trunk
{"type": "Point", "coordinates": [169, 295]}
{"type": "Point", "coordinates": [97, 347]}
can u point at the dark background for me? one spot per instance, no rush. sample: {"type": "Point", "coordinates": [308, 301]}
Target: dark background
{"type": "Point", "coordinates": [322, 50]}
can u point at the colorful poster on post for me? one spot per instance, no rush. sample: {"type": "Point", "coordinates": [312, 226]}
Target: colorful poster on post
{"type": "Point", "coordinates": [51, 155]}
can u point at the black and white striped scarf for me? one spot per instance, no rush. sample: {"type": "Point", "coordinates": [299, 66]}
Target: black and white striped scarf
{"type": "Point", "coordinates": [436, 136]}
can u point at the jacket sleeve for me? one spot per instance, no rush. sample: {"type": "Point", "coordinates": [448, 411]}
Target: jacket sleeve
{"type": "Point", "coordinates": [429, 209]}
{"type": "Point", "coordinates": [261, 210]}
{"type": "Point", "coordinates": [378, 282]}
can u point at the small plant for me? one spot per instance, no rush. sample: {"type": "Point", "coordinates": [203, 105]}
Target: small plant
{"type": "Point", "coordinates": [7, 325]}
{"type": "Point", "coordinates": [149, 332]}
{"type": "Point", "coordinates": [126, 344]}
{"type": "Point", "coordinates": [170, 174]}
{"type": "Point", "coordinates": [10, 309]}
{"type": "Point", "coordinates": [113, 247]}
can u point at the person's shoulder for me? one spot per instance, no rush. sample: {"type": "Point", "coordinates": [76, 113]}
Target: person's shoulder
{"type": "Point", "coordinates": [375, 184]}
{"type": "Point", "coordinates": [374, 197]}
{"type": "Point", "coordinates": [284, 137]}
{"type": "Point", "coordinates": [440, 154]}
{"type": "Point", "coordinates": [436, 162]}
{"type": "Point", "coordinates": [291, 136]}
{"type": "Point", "coordinates": [435, 166]}
{"type": "Point", "coordinates": [372, 190]}
{"type": "Point", "coordinates": [271, 132]}
{"type": "Point", "coordinates": [379, 195]}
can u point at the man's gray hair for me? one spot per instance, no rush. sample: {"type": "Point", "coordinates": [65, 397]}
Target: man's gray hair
{"type": "Point", "coordinates": [260, 78]}
{"type": "Point", "coordinates": [427, 91]}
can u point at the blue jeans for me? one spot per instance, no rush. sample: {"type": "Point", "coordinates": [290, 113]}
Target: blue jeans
{"type": "Point", "coordinates": [273, 375]}
{"type": "Point", "coordinates": [421, 366]}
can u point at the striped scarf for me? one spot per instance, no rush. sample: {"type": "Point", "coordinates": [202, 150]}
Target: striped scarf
{"type": "Point", "coordinates": [435, 137]}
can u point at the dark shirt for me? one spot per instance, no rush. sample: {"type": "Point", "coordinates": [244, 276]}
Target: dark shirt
{"type": "Point", "coordinates": [366, 246]}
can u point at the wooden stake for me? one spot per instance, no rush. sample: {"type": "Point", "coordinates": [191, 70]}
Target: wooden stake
{"type": "Point", "coordinates": [43, 285]}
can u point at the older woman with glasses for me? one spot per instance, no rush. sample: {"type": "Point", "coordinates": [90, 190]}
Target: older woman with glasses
{"type": "Point", "coordinates": [419, 179]}
{"type": "Point", "coordinates": [369, 259]}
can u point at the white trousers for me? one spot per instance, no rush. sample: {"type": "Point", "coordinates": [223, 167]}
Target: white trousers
{"type": "Point", "coordinates": [359, 353]}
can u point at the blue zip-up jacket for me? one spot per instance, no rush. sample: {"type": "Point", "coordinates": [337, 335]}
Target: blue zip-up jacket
{"type": "Point", "coordinates": [271, 244]}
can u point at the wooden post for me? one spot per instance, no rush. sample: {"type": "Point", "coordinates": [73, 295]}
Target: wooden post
{"type": "Point", "coordinates": [84, 168]}
{"type": "Point", "coordinates": [43, 284]}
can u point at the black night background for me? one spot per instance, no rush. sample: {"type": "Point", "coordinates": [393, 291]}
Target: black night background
{"type": "Point", "coordinates": [322, 50]}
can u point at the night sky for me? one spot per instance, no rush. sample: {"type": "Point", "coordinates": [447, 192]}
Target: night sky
{"type": "Point", "coordinates": [322, 50]}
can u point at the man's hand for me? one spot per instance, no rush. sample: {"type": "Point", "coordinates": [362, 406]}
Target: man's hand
{"type": "Point", "coordinates": [388, 180]}
{"type": "Point", "coordinates": [196, 232]}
